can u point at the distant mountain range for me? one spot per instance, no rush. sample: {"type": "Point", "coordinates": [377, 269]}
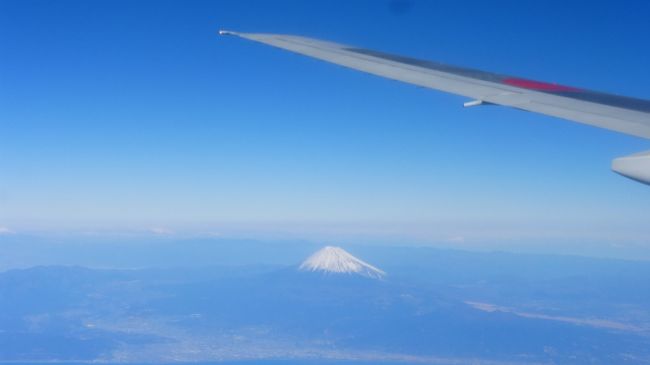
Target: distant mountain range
{"type": "Point", "coordinates": [435, 306]}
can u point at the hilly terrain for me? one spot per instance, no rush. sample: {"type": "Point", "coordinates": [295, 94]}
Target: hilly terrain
{"type": "Point", "coordinates": [453, 307]}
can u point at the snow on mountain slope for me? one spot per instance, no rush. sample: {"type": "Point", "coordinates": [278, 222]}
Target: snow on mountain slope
{"type": "Point", "coordinates": [336, 260]}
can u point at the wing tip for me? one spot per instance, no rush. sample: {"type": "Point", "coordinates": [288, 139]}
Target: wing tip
{"type": "Point", "coordinates": [227, 32]}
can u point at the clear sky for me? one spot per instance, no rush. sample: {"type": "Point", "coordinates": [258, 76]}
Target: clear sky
{"type": "Point", "coordinates": [136, 116]}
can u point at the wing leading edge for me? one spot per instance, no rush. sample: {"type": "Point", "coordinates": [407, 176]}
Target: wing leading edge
{"type": "Point", "coordinates": [618, 113]}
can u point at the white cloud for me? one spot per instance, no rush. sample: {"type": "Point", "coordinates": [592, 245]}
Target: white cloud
{"type": "Point", "coordinates": [5, 230]}
{"type": "Point", "coordinates": [456, 239]}
{"type": "Point", "coordinates": [161, 231]}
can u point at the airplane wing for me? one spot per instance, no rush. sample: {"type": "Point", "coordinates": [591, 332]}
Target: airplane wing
{"type": "Point", "coordinates": [618, 113]}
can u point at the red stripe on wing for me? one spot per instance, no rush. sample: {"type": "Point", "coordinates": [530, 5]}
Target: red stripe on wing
{"type": "Point", "coordinates": [537, 85]}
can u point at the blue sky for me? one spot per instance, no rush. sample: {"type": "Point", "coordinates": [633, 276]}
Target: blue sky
{"type": "Point", "coordinates": [135, 116]}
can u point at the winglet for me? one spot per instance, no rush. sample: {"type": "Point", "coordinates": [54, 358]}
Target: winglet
{"type": "Point", "coordinates": [226, 32]}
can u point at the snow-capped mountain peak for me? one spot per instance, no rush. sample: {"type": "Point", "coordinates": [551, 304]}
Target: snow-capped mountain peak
{"type": "Point", "coordinates": [336, 260]}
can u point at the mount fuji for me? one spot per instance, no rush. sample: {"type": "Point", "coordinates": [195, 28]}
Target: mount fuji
{"type": "Point", "coordinates": [336, 260]}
